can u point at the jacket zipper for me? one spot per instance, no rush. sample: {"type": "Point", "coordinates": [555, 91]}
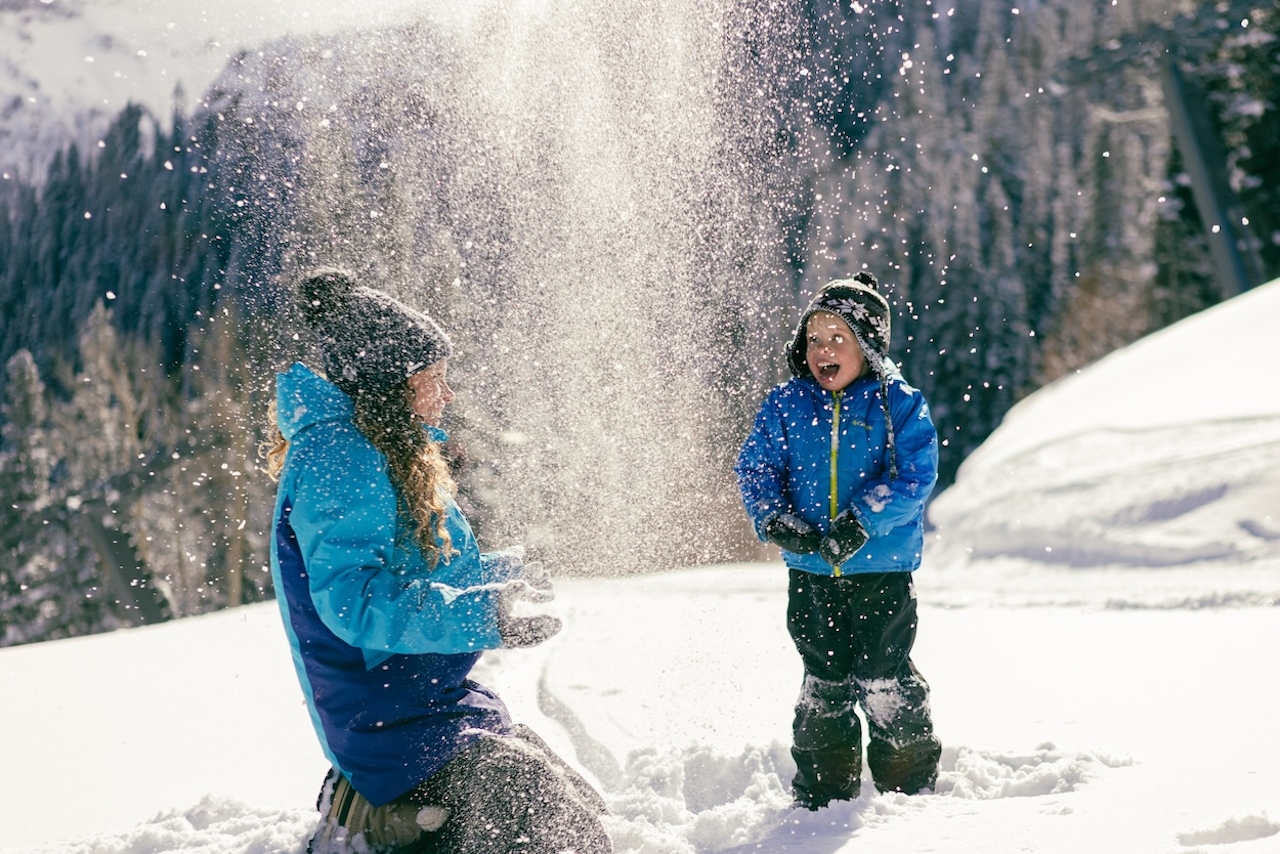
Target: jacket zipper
{"type": "Point", "coordinates": [835, 460]}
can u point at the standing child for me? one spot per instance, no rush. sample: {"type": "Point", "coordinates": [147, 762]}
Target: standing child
{"type": "Point", "coordinates": [388, 603]}
{"type": "Point", "coordinates": [836, 472]}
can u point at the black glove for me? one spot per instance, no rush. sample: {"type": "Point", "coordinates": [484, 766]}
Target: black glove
{"type": "Point", "coordinates": [790, 532]}
{"type": "Point", "coordinates": [534, 585]}
{"type": "Point", "coordinates": [843, 540]}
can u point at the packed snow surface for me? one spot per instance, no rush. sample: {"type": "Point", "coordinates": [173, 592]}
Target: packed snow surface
{"type": "Point", "coordinates": [1067, 727]}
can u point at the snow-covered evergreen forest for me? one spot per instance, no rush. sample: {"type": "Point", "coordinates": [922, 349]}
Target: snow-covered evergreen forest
{"type": "Point", "coordinates": [616, 209]}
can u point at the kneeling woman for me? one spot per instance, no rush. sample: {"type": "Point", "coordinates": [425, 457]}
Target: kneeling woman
{"type": "Point", "coordinates": [388, 602]}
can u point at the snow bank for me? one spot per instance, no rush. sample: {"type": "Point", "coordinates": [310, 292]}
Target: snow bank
{"type": "Point", "coordinates": [1161, 454]}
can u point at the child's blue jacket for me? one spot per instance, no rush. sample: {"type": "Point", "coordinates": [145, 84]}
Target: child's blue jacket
{"type": "Point", "coordinates": [785, 466]}
{"type": "Point", "coordinates": [382, 645]}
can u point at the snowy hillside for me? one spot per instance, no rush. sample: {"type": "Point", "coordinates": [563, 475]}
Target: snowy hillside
{"type": "Point", "coordinates": [1163, 454]}
{"type": "Point", "coordinates": [69, 66]}
{"type": "Point", "coordinates": [1117, 708]}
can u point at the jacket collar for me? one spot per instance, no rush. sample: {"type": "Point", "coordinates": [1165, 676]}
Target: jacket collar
{"type": "Point", "coordinates": [812, 385]}
{"type": "Point", "coordinates": [304, 398]}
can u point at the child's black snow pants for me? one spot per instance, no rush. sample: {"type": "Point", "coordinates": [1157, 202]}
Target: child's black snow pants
{"type": "Point", "coordinates": [855, 635]}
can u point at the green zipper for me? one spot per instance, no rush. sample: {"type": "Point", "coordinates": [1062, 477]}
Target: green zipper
{"type": "Point", "coordinates": [835, 464]}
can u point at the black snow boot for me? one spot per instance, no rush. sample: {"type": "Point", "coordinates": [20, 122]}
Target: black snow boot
{"type": "Point", "coordinates": [826, 744]}
{"type": "Point", "coordinates": [910, 769]}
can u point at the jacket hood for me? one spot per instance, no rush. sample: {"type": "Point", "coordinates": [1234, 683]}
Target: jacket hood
{"type": "Point", "coordinates": [304, 398]}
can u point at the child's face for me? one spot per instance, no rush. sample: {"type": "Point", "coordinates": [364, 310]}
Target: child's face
{"type": "Point", "coordinates": [834, 357]}
{"type": "Point", "coordinates": [431, 392]}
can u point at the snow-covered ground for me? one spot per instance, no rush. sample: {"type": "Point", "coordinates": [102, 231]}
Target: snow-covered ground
{"type": "Point", "coordinates": [1098, 623]}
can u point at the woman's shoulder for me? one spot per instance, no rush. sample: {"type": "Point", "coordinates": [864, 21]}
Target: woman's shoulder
{"type": "Point", "coordinates": [335, 447]}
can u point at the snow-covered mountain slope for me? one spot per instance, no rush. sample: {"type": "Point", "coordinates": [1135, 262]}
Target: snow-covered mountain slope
{"type": "Point", "coordinates": [1163, 453]}
{"type": "Point", "coordinates": [68, 66]}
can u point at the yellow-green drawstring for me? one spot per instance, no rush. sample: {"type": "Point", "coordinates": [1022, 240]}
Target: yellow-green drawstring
{"type": "Point", "coordinates": [835, 460]}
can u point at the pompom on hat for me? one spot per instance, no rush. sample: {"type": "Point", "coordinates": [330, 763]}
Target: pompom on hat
{"type": "Point", "coordinates": [368, 341]}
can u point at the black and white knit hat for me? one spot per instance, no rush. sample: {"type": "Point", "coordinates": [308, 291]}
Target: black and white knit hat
{"type": "Point", "coordinates": [858, 303]}
{"type": "Point", "coordinates": [368, 341]}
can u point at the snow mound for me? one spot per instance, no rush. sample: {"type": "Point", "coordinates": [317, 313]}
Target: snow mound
{"type": "Point", "coordinates": [968, 773]}
{"type": "Point", "coordinates": [1243, 829]}
{"type": "Point", "coordinates": [1162, 454]}
{"type": "Point", "coordinates": [698, 800]}
{"type": "Point", "coordinates": [213, 826]}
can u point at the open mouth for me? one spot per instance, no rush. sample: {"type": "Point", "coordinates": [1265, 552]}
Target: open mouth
{"type": "Point", "coordinates": [828, 370]}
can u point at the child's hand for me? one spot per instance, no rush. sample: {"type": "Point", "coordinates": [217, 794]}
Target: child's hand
{"type": "Point", "coordinates": [843, 540]}
{"type": "Point", "coordinates": [790, 532]}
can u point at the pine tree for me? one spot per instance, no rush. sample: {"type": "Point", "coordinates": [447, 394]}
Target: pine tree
{"type": "Point", "coordinates": [103, 433]}
{"type": "Point", "coordinates": [25, 469]}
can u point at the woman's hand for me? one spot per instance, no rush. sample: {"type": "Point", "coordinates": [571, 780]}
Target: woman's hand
{"type": "Point", "coordinates": [532, 585]}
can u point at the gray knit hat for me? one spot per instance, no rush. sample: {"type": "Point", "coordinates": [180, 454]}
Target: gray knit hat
{"type": "Point", "coordinates": [368, 341]}
{"type": "Point", "coordinates": [858, 303]}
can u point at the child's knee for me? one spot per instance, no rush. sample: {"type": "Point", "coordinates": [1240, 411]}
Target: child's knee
{"type": "Point", "coordinates": [826, 696]}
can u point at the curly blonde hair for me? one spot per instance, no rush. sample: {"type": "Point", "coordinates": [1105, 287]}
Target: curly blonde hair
{"type": "Point", "coordinates": [415, 465]}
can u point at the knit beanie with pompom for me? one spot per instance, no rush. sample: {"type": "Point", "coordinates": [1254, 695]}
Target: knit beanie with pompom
{"type": "Point", "coordinates": [856, 301]}
{"type": "Point", "coordinates": [368, 341]}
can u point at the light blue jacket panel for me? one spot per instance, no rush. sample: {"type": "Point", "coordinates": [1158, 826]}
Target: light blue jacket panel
{"type": "Point", "coordinates": [369, 581]}
{"type": "Point", "coordinates": [785, 466]}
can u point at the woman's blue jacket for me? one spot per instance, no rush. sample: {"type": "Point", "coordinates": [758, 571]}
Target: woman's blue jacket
{"type": "Point", "coordinates": [786, 463]}
{"type": "Point", "coordinates": [382, 645]}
